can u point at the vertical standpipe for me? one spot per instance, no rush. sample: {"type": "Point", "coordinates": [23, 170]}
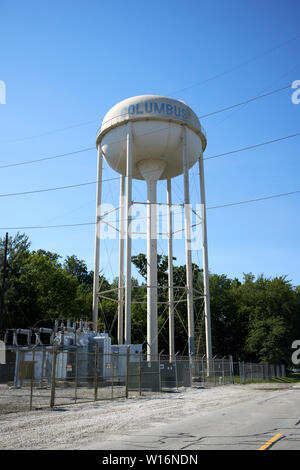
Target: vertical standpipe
{"type": "Point", "coordinates": [97, 241]}
{"type": "Point", "coordinates": [151, 170]}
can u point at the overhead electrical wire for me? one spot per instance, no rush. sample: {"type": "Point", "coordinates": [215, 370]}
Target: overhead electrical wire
{"type": "Point", "coordinates": [242, 64]}
{"type": "Point", "coordinates": [26, 162]}
{"type": "Point", "coordinates": [116, 178]}
{"type": "Point", "coordinates": [254, 200]}
{"type": "Point", "coordinates": [23, 193]}
{"type": "Point", "coordinates": [252, 146]}
{"type": "Point", "coordinates": [54, 131]}
{"type": "Point", "coordinates": [71, 186]}
{"type": "Point", "coordinates": [248, 201]}
{"type": "Point", "coordinates": [222, 110]}
{"type": "Point", "coordinates": [173, 92]}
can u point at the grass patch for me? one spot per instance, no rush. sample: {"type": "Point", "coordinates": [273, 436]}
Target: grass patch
{"type": "Point", "coordinates": [291, 378]}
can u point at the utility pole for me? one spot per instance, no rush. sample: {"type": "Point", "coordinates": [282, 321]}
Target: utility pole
{"type": "Point", "coordinates": [3, 282]}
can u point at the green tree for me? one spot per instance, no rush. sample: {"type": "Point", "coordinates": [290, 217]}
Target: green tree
{"type": "Point", "coordinates": [50, 292]}
{"type": "Point", "coordinates": [17, 253]}
{"type": "Point", "coordinates": [273, 313]}
{"type": "Point", "coordinates": [78, 268]}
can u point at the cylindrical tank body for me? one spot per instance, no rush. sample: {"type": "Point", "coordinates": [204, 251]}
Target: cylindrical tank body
{"type": "Point", "coordinates": [157, 132]}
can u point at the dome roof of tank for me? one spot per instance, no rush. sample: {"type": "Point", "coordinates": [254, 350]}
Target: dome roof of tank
{"type": "Point", "coordinates": [151, 107]}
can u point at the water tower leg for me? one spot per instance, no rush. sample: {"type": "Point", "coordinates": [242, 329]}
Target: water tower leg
{"type": "Point", "coordinates": [187, 230]}
{"type": "Point", "coordinates": [97, 242]}
{"type": "Point", "coordinates": [205, 269]}
{"type": "Point", "coordinates": [121, 264]}
{"type": "Point", "coordinates": [170, 273]}
{"type": "Point", "coordinates": [127, 336]}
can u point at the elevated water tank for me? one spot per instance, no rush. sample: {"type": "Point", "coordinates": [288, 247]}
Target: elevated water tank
{"type": "Point", "coordinates": [157, 134]}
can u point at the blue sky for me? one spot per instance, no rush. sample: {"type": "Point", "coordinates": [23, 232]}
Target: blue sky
{"type": "Point", "coordinates": [67, 63]}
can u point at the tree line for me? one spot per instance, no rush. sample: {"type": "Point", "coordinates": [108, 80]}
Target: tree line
{"type": "Point", "coordinates": [255, 319]}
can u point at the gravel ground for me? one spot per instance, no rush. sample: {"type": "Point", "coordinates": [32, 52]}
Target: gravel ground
{"type": "Point", "coordinates": [73, 426]}
{"type": "Point", "coordinates": [18, 399]}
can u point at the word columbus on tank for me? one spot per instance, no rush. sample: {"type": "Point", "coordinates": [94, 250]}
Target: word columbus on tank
{"type": "Point", "coordinates": [156, 108]}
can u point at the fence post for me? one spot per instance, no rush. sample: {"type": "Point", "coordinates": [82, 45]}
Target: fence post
{"type": "Point", "coordinates": [53, 373]}
{"type": "Point", "coordinates": [223, 371]}
{"type": "Point", "coordinates": [231, 369]}
{"type": "Point", "coordinates": [42, 368]}
{"type": "Point", "coordinates": [159, 373]}
{"type": "Point", "coordinates": [214, 368]}
{"type": "Point", "coordinates": [202, 367]}
{"type": "Point", "coordinates": [191, 366]}
{"type": "Point", "coordinates": [127, 370]}
{"type": "Point", "coordinates": [31, 382]}
{"type": "Point", "coordinates": [112, 375]}
{"type": "Point", "coordinates": [176, 374]}
{"type": "Point", "coordinates": [76, 373]}
{"type": "Point", "coordinates": [96, 374]}
{"type": "Point", "coordinates": [140, 375]}
{"type": "Point", "coordinates": [16, 377]}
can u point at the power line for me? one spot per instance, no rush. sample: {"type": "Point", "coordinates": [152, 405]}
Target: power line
{"type": "Point", "coordinates": [222, 110]}
{"type": "Point", "coordinates": [9, 165]}
{"type": "Point", "coordinates": [254, 200]}
{"type": "Point", "coordinates": [177, 91]}
{"type": "Point", "coordinates": [47, 158]}
{"type": "Point", "coordinates": [50, 226]}
{"type": "Point", "coordinates": [237, 66]}
{"type": "Point", "coordinates": [248, 201]}
{"type": "Point", "coordinates": [56, 188]}
{"type": "Point", "coordinates": [93, 148]}
{"type": "Point", "coordinates": [253, 146]}
{"type": "Point", "coordinates": [21, 139]}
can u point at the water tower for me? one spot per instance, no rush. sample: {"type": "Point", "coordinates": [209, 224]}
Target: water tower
{"type": "Point", "coordinates": [152, 138]}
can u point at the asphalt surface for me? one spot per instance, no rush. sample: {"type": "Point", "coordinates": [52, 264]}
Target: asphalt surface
{"type": "Point", "coordinates": [237, 417]}
{"type": "Point", "coordinates": [272, 420]}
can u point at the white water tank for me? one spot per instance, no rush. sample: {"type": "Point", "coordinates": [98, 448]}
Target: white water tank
{"type": "Point", "coordinates": [157, 132]}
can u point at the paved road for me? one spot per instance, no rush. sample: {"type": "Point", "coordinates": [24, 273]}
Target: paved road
{"type": "Point", "coordinates": [247, 425]}
{"type": "Point", "coordinates": [226, 417]}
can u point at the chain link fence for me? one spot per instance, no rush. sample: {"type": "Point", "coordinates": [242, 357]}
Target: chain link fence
{"type": "Point", "coordinates": [48, 376]}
